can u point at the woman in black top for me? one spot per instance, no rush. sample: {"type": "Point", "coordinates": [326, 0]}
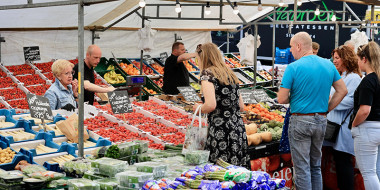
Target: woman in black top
{"type": "Point", "coordinates": [366, 125]}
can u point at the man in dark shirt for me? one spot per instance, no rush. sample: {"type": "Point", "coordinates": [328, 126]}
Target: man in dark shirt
{"type": "Point", "coordinates": [93, 56]}
{"type": "Point", "coordinates": [175, 72]}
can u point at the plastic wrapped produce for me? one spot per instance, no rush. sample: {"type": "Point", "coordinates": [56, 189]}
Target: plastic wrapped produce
{"type": "Point", "coordinates": [83, 184]}
{"type": "Point", "coordinates": [133, 179]}
{"type": "Point", "coordinates": [57, 183]}
{"type": "Point", "coordinates": [32, 168]}
{"type": "Point", "coordinates": [280, 183]}
{"type": "Point", "coordinates": [192, 174]}
{"type": "Point", "coordinates": [158, 169]}
{"type": "Point", "coordinates": [226, 185]}
{"type": "Point", "coordinates": [107, 183]}
{"type": "Point", "coordinates": [259, 177]}
{"type": "Point", "coordinates": [108, 166]}
{"type": "Point", "coordinates": [128, 149]}
{"type": "Point", "coordinates": [143, 146]}
{"type": "Point", "coordinates": [197, 157]}
{"type": "Point", "coordinates": [90, 174]}
{"type": "Point", "coordinates": [47, 175]}
{"type": "Point", "coordinates": [143, 158]}
{"type": "Point", "coordinates": [204, 184]}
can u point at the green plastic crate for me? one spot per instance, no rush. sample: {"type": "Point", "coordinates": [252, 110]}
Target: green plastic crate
{"type": "Point", "coordinates": [118, 71]}
{"type": "Point", "coordinates": [151, 85]}
{"type": "Point", "coordinates": [102, 65]}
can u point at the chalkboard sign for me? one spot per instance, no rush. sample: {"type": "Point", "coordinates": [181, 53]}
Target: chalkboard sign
{"type": "Point", "coordinates": [261, 95]}
{"type": "Point", "coordinates": [163, 57]}
{"type": "Point", "coordinates": [148, 59]}
{"type": "Point", "coordinates": [32, 53]}
{"type": "Point", "coordinates": [247, 96]}
{"type": "Point", "coordinates": [39, 107]}
{"type": "Point", "coordinates": [119, 101]}
{"type": "Point", "coordinates": [189, 93]}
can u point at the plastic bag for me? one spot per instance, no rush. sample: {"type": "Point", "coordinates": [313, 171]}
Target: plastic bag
{"type": "Point", "coordinates": [47, 175]}
{"type": "Point", "coordinates": [196, 137]}
{"type": "Point", "coordinates": [32, 168]}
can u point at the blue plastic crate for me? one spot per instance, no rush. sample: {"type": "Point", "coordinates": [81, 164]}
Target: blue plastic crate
{"type": "Point", "coordinates": [282, 56]}
{"type": "Point", "coordinates": [26, 125]}
{"type": "Point", "coordinates": [16, 159]}
{"type": "Point", "coordinates": [100, 142]}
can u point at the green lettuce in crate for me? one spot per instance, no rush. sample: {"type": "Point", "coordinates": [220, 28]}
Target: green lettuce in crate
{"type": "Point", "coordinates": [128, 149]}
{"type": "Point", "coordinates": [108, 166]}
{"type": "Point", "coordinates": [196, 157]}
{"type": "Point", "coordinates": [83, 184]}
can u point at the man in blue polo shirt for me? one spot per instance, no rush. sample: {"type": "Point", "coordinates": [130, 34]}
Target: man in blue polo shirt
{"type": "Point", "coordinates": [306, 86]}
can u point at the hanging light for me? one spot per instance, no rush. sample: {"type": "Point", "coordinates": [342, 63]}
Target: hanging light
{"type": "Point", "coordinates": [299, 2]}
{"type": "Point", "coordinates": [281, 3]}
{"type": "Point", "coordinates": [317, 12]}
{"type": "Point", "coordinates": [333, 18]}
{"type": "Point", "coordinates": [260, 6]}
{"type": "Point", "coordinates": [236, 9]}
{"type": "Point", "coordinates": [178, 8]}
{"type": "Point", "coordinates": [349, 20]}
{"type": "Point", "coordinates": [142, 3]}
{"type": "Point", "coordinates": [208, 9]}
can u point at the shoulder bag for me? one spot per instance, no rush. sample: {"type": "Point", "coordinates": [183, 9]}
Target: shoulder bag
{"type": "Point", "coordinates": [332, 129]}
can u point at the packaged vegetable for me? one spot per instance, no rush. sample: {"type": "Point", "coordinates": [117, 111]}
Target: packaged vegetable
{"type": "Point", "coordinates": [113, 152]}
{"type": "Point", "coordinates": [259, 176]}
{"type": "Point", "coordinates": [237, 175]}
{"type": "Point", "coordinates": [158, 170]}
{"type": "Point", "coordinates": [212, 168]}
{"type": "Point", "coordinates": [133, 179]}
{"type": "Point", "coordinates": [151, 185]}
{"type": "Point", "coordinates": [58, 183]}
{"type": "Point", "coordinates": [107, 183]}
{"type": "Point", "coordinates": [92, 176]}
{"type": "Point", "coordinates": [108, 166]}
{"type": "Point", "coordinates": [47, 175]}
{"type": "Point", "coordinates": [130, 159]}
{"type": "Point", "coordinates": [83, 184]}
{"type": "Point", "coordinates": [192, 174]}
{"type": "Point", "coordinates": [128, 149]}
{"type": "Point", "coordinates": [197, 157]}
{"type": "Point", "coordinates": [280, 183]}
{"type": "Point", "coordinates": [143, 146]}
{"type": "Point", "coordinates": [227, 185]}
{"type": "Point", "coordinates": [204, 184]}
{"type": "Point", "coordinates": [143, 158]}
{"type": "Point", "coordinates": [32, 168]}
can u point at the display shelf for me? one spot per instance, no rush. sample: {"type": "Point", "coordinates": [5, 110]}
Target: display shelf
{"type": "Point", "coordinates": [147, 69]}
{"type": "Point", "coordinates": [260, 80]}
{"type": "Point", "coordinates": [125, 66]}
{"type": "Point", "coordinates": [158, 66]}
{"type": "Point", "coordinates": [243, 76]}
{"type": "Point", "coordinates": [117, 71]}
{"type": "Point", "coordinates": [233, 60]}
{"type": "Point", "coordinates": [38, 89]}
{"type": "Point", "coordinates": [190, 67]}
{"type": "Point", "coordinates": [31, 79]}
{"type": "Point", "coordinates": [20, 69]}
{"type": "Point", "coordinates": [4, 103]}
{"type": "Point", "coordinates": [264, 150]}
{"type": "Point", "coordinates": [44, 67]}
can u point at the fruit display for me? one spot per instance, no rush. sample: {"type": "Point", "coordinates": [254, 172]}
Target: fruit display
{"type": "Point", "coordinates": [113, 78]}
{"type": "Point", "coordinates": [159, 82]}
{"type": "Point", "coordinates": [147, 70]}
{"type": "Point", "coordinates": [20, 103]}
{"type": "Point", "coordinates": [263, 112]}
{"type": "Point", "coordinates": [2, 106]}
{"type": "Point", "coordinates": [229, 64]}
{"type": "Point", "coordinates": [234, 61]}
{"type": "Point", "coordinates": [135, 118]}
{"type": "Point", "coordinates": [157, 128]}
{"type": "Point", "coordinates": [18, 135]}
{"type": "Point", "coordinates": [20, 69]}
{"type": "Point", "coordinates": [50, 76]}
{"type": "Point", "coordinates": [176, 138]}
{"type": "Point", "coordinates": [6, 82]}
{"type": "Point", "coordinates": [118, 134]}
{"type": "Point", "coordinates": [98, 122]}
{"type": "Point", "coordinates": [194, 62]}
{"type": "Point", "coordinates": [189, 67]}
{"type": "Point", "coordinates": [38, 89]}
{"type": "Point", "coordinates": [265, 74]}
{"type": "Point", "coordinates": [6, 155]}
{"type": "Point", "coordinates": [150, 91]}
{"type": "Point", "coordinates": [44, 67]}
{"type": "Point", "coordinates": [2, 74]}
{"type": "Point", "coordinates": [12, 93]}
{"type": "Point", "coordinates": [30, 79]}
{"type": "Point", "coordinates": [252, 75]}
{"type": "Point", "coordinates": [61, 159]}
{"type": "Point", "coordinates": [195, 85]}
{"type": "Point", "coordinates": [158, 68]}
{"type": "Point", "coordinates": [129, 69]}
{"type": "Point", "coordinates": [56, 130]}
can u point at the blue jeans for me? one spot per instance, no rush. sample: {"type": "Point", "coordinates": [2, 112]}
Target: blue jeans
{"type": "Point", "coordinates": [306, 135]}
{"type": "Point", "coordinates": [366, 147]}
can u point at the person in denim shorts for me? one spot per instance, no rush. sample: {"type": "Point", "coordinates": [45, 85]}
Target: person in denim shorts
{"type": "Point", "coordinates": [306, 86]}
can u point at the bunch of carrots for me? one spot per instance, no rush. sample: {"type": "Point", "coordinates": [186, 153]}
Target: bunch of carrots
{"type": "Point", "coordinates": [263, 112]}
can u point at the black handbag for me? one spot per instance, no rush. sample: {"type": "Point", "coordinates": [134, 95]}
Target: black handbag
{"type": "Point", "coordinates": [332, 129]}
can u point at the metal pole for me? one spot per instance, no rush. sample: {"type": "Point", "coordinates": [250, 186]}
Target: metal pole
{"type": "Point", "coordinates": [1, 40]}
{"type": "Point", "coordinates": [141, 51]}
{"type": "Point", "coordinates": [80, 76]}
{"type": "Point", "coordinates": [336, 35]}
{"type": "Point", "coordinates": [255, 56]}
{"type": "Point", "coordinates": [228, 42]}
{"type": "Point", "coordinates": [93, 37]}
{"type": "Point", "coordinates": [273, 46]}
{"type": "Point", "coordinates": [372, 19]}
{"type": "Point", "coordinates": [295, 11]}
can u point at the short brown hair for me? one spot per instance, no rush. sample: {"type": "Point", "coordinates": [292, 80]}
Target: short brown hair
{"type": "Point", "coordinates": [315, 45]}
{"type": "Point", "coordinates": [349, 59]}
{"type": "Point", "coordinates": [176, 45]}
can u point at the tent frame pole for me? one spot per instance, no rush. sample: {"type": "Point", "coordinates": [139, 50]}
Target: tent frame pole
{"type": "Point", "coordinates": [81, 77]}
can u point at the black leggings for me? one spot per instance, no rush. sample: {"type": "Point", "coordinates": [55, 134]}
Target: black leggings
{"type": "Point", "coordinates": [344, 170]}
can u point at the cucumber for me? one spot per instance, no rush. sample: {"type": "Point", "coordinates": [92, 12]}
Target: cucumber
{"type": "Point", "coordinates": [173, 147]}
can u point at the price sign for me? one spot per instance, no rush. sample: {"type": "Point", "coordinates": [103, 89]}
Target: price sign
{"type": "Point", "coordinates": [39, 107]}
{"type": "Point", "coordinates": [189, 93]}
{"type": "Point", "coordinates": [247, 96]}
{"type": "Point", "coordinates": [148, 59]}
{"type": "Point", "coordinates": [163, 57]}
{"type": "Point", "coordinates": [261, 95]}
{"type": "Point", "coordinates": [119, 101]}
{"type": "Point", "coordinates": [32, 53]}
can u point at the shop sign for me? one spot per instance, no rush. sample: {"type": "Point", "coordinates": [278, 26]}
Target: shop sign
{"type": "Point", "coordinates": [32, 53]}
{"type": "Point", "coordinates": [163, 57]}
{"type": "Point", "coordinates": [261, 96]}
{"type": "Point", "coordinates": [39, 107]}
{"type": "Point", "coordinates": [247, 96]}
{"type": "Point", "coordinates": [189, 93]}
{"type": "Point", "coordinates": [119, 101]}
{"type": "Point", "coordinates": [148, 59]}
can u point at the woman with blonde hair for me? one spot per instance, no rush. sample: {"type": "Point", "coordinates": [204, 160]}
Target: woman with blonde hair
{"type": "Point", "coordinates": [63, 91]}
{"type": "Point", "coordinates": [366, 123]}
{"type": "Point", "coordinates": [227, 138]}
